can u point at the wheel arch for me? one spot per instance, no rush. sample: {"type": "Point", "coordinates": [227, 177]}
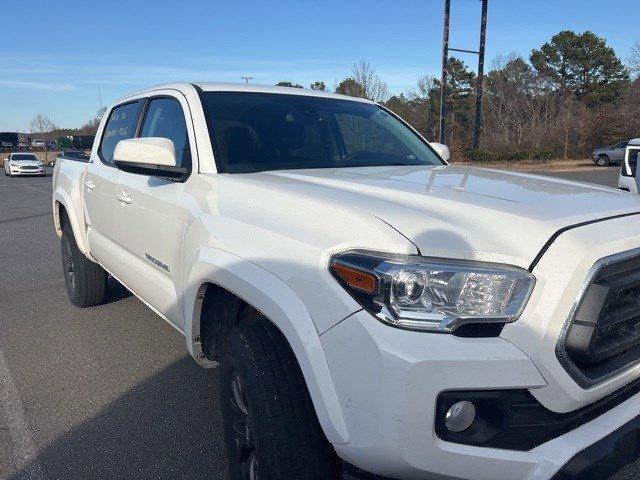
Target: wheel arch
{"type": "Point", "coordinates": [280, 305]}
{"type": "Point", "coordinates": [63, 205]}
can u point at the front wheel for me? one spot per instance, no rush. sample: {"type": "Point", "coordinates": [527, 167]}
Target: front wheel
{"type": "Point", "coordinates": [271, 429]}
{"type": "Point", "coordinates": [603, 161]}
{"type": "Point", "coordinates": [85, 280]}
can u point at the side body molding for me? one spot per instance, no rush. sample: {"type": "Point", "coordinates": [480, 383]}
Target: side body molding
{"type": "Point", "coordinates": [283, 307]}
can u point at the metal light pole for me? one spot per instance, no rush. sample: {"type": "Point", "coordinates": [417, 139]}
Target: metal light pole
{"type": "Point", "coordinates": [246, 79]}
{"type": "Point", "coordinates": [483, 37]}
{"type": "Point", "coordinates": [445, 62]}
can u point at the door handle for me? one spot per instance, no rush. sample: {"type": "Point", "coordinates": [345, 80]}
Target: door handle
{"type": "Point", "coordinates": [89, 185]}
{"type": "Point", "coordinates": [124, 197]}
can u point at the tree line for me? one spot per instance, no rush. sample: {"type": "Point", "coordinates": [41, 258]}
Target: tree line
{"type": "Point", "coordinates": [571, 95]}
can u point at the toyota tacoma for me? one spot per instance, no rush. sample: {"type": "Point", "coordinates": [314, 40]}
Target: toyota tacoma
{"type": "Point", "coordinates": [375, 312]}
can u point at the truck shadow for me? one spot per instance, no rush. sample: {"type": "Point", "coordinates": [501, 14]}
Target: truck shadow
{"type": "Point", "coordinates": [116, 291]}
{"type": "Point", "coordinates": [167, 427]}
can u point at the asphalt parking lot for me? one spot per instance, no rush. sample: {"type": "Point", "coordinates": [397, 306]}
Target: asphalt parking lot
{"type": "Point", "coordinates": [107, 392]}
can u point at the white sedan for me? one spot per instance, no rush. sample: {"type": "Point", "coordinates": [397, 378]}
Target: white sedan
{"type": "Point", "coordinates": [18, 164]}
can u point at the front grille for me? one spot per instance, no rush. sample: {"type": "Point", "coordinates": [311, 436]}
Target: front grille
{"type": "Point", "coordinates": [29, 167]}
{"type": "Point", "coordinates": [603, 336]}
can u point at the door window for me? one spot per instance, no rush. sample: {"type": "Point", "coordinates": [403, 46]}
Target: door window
{"type": "Point", "coordinates": [120, 126]}
{"type": "Point", "coordinates": [164, 118]}
{"type": "Point", "coordinates": [633, 160]}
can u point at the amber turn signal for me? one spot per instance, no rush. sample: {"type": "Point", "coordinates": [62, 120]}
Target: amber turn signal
{"type": "Point", "coordinates": [358, 279]}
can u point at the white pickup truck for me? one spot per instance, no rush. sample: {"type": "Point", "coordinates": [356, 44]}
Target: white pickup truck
{"type": "Point", "coordinates": [376, 313]}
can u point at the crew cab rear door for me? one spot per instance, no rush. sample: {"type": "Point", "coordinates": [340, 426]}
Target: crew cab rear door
{"type": "Point", "coordinates": [100, 183]}
{"type": "Point", "coordinates": [152, 212]}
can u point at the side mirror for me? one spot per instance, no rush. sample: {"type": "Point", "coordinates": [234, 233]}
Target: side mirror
{"type": "Point", "coordinates": [441, 150]}
{"type": "Point", "coordinates": [149, 156]}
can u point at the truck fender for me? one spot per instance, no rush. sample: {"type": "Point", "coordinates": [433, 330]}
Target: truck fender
{"type": "Point", "coordinates": [61, 197]}
{"type": "Point", "coordinates": [282, 306]}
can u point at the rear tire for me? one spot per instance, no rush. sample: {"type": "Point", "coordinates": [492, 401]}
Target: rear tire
{"type": "Point", "coordinates": [603, 161]}
{"type": "Point", "coordinates": [270, 425]}
{"type": "Point", "coordinates": [85, 280]}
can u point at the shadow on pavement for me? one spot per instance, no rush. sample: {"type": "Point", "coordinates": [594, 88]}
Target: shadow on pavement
{"type": "Point", "coordinates": [167, 427]}
{"type": "Point", "coordinates": [116, 291]}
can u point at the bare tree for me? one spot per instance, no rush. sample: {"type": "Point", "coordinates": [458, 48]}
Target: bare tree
{"type": "Point", "coordinates": [42, 126]}
{"type": "Point", "coordinates": [374, 88]}
{"type": "Point", "coordinates": [634, 60]}
{"type": "Point", "coordinates": [91, 127]}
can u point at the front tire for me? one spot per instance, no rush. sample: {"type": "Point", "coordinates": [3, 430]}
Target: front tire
{"type": "Point", "coordinates": [85, 280]}
{"type": "Point", "coordinates": [603, 161]}
{"type": "Point", "coordinates": [271, 429]}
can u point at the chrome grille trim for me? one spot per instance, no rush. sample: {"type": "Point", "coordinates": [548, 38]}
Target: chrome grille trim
{"type": "Point", "coordinates": [578, 374]}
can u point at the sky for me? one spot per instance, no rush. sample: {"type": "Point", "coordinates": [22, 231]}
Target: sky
{"type": "Point", "coordinates": [55, 54]}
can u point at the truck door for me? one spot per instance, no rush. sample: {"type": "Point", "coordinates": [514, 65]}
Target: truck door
{"type": "Point", "coordinates": [100, 183]}
{"type": "Point", "coordinates": [152, 212]}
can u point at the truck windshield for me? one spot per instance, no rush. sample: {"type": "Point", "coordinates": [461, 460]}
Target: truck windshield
{"type": "Point", "coordinates": [263, 131]}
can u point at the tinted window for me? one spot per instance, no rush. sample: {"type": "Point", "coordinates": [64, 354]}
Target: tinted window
{"type": "Point", "coordinates": [633, 158]}
{"type": "Point", "coordinates": [164, 118]}
{"type": "Point", "coordinates": [263, 131]}
{"type": "Point", "coordinates": [23, 156]}
{"type": "Point", "coordinates": [120, 126]}
{"type": "Point", "coordinates": [621, 145]}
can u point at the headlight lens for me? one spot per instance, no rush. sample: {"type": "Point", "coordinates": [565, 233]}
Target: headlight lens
{"type": "Point", "coordinates": [431, 294]}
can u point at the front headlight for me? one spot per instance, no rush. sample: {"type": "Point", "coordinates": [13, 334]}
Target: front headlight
{"type": "Point", "coordinates": [438, 295]}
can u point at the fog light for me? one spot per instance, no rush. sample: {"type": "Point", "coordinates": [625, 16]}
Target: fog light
{"type": "Point", "coordinates": [460, 416]}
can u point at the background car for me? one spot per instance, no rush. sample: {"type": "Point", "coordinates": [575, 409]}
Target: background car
{"type": "Point", "coordinates": [22, 164]}
{"type": "Point", "coordinates": [37, 144]}
{"type": "Point", "coordinates": [78, 155]}
{"type": "Point", "coordinates": [612, 155]}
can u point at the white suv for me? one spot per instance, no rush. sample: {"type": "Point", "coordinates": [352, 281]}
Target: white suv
{"type": "Point", "coordinates": [628, 178]}
{"type": "Point", "coordinates": [375, 312]}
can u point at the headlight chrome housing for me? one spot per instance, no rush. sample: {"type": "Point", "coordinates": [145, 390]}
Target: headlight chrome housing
{"type": "Point", "coordinates": [433, 294]}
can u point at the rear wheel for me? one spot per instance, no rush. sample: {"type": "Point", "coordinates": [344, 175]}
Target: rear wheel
{"type": "Point", "coordinates": [271, 429]}
{"type": "Point", "coordinates": [603, 161]}
{"type": "Point", "coordinates": [85, 280]}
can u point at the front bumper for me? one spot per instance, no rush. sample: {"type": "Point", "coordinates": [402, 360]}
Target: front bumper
{"type": "Point", "coordinates": [21, 172]}
{"type": "Point", "coordinates": [388, 381]}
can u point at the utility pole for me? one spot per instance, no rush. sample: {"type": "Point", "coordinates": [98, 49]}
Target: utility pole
{"type": "Point", "coordinates": [445, 62]}
{"type": "Point", "coordinates": [483, 37]}
{"type": "Point", "coordinates": [246, 79]}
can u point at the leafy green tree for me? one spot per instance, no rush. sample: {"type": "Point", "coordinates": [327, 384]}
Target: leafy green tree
{"type": "Point", "coordinates": [351, 87]}
{"type": "Point", "coordinates": [318, 86]}
{"type": "Point", "coordinates": [401, 106]}
{"type": "Point", "coordinates": [286, 83]}
{"type": "Point", "coordinates": [582, 64]}
{"type": "Point", "coordinates": [460, 80]}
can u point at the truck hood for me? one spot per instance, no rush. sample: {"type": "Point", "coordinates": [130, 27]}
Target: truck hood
{"type": "Point", "coordinates": [462, 212]}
